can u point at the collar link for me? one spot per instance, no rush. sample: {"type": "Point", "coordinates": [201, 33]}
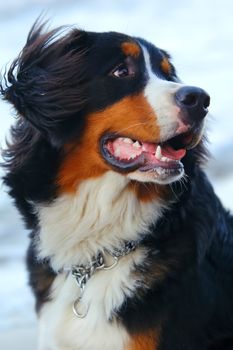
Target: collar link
{"type": "Point", "coordinates": [82, 273]}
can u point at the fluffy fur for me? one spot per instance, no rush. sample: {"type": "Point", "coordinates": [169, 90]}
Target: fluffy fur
{"type": "Point", "coordinates": [84, 100]}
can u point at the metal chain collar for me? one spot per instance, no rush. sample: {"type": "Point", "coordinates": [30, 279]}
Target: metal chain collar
{"type": "Point", "coordinates": [82, 273]}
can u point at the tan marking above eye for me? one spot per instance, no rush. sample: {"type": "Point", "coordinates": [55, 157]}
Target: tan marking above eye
{"type": "Point", "coordinates": [165, 66]}
{"type": "Point", "coordinates": [130, 49]}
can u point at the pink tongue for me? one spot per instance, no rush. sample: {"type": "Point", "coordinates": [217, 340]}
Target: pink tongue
{"type": "Point", "coordinates": [166, 151]}
{"type": "Point", "coordinates": [171, 153]}
{"type": "Point", "coordinates": [127, 150]}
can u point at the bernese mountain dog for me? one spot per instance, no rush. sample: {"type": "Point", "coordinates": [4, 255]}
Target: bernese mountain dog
{"type": "Point", "coordinates": [130, 247]}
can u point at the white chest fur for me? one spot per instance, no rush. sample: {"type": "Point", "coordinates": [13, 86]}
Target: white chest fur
{"type": "Point", "coordinates": [60, 329]}
{"type": "Point", "coordinates": [73, 229]}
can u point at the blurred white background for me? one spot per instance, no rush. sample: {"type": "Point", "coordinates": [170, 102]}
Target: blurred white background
{"type": "Point", "coordinates": [198, 34]}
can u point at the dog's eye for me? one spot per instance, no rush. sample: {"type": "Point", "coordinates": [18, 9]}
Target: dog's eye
{"type": "Point", "coordinates": [121, 71]}
{"type": "Point", "coordinates": [126, 69]}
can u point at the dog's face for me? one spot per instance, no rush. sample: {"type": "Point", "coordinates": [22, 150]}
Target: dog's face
{"type": "Point", "coordinates": [110, 102]}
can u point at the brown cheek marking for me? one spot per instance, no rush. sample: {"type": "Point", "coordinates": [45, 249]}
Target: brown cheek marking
{"type": "Point", "coordinates": [147, 341]}
{"type": "Point", "coordinates": [130, 49]}
{"type": "Point", "coordinates": [147, 192]}
{"type": "Point", "coordinates": [165, 65]}
{"type": "Point", "coordinates": [132, 117]}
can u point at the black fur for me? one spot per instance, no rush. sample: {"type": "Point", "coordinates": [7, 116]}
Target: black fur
{"type": "Point", "coordinates": [193, 303]}
{"type": "Point", "coordinates": [53, 84]}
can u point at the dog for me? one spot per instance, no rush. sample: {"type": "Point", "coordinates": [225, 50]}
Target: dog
{"type": "Point", "coordinates": [130, 247]}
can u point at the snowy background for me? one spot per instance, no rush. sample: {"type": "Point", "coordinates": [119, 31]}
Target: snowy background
{"type": "Point", "coordinates": [198, 34]}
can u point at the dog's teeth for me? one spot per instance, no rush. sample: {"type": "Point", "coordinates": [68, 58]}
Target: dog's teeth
{"type": "Point", "coordinates": [117, 152]}
{"type": "Point", "coordinates": [165, 159]}
{"type": "Point", "coordinates": [136, 144]}
{"type": "Point", "coordinates": [158, 153]}
{"type": "Point", "coordinates": [132, 156]}
{"type": "Point", "coordinates": [127, 140]}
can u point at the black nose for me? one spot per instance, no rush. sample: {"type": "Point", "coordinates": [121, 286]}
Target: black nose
{"type": "Point", "coordinates": [194, 101]}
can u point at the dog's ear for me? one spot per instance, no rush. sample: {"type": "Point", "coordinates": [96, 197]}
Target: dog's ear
{"type": "Point", "coordinates": [46, 82]}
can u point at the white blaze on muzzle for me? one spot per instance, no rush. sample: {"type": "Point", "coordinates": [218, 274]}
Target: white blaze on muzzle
{"type": "Point", "coordinates": [160, 95]}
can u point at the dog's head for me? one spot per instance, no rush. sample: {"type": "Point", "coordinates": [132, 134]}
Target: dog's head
{"type": "Point", "coordinates": [109, 102]}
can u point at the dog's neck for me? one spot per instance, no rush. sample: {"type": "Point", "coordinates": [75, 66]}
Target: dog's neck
{"type": "Point", "coordinates": [102, 214]}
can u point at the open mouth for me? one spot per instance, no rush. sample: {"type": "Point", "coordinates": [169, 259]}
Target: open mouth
{"type": "Point", "coordinates": [164, 158]}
